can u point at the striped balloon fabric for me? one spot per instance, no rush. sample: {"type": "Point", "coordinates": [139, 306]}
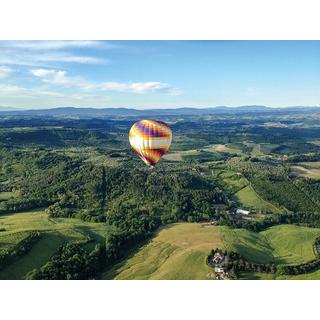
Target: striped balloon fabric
{"type": "Point", "coordinates": [150, 139]}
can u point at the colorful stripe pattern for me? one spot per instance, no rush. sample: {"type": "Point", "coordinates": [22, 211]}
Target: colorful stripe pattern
{"type": "Point", "coordinates": [150, 139]}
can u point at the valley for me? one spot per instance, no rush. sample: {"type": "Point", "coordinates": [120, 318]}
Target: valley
{"type": "Point", "coordinates": [76, 202]}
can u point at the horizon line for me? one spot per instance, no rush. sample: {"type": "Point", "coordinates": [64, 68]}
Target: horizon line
{"type": "Point", "coordinates": [155, 108]}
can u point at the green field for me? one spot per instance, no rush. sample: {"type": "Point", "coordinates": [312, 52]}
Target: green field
{"type": "Point", "coordinates": [195, 155]}
{"type": "Point", "coordinates": [224, 148]}
{"type": "Point", "coordinates": [234, 181]}
{"type": "Point", "coordinates": [177, 251]}
{"type": "Point", "coordinates": [245, 194]}
{"type": "Point", "coordinates": [267, 148]}
{"type": "Point", "coordinates": [305, 171]}
{"type": "Point", "coordinates": [250, 199]}
{"type": "Point", "coordinates": [283, 244]}
{"type": "Point", "coordinates": [208, 153]}
{"type": "Point", "coordinates": [54, 233]}
{"type": "Point", "coordinates": [8, 195]}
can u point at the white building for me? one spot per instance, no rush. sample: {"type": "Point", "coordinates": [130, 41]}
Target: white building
{"type": "Point", "coordinates": [241, 211]}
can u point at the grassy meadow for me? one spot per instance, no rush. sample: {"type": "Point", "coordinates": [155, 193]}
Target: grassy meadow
{"type": "Point", "coordinates": [233, 181]}
{"type": "Point", "coordinates": [8, 195]}
{"type": "Point", "coordinates": [306, 170]}
{"type": "Point", "coordinates": [282, 244]}
{"type": "Point", "coordinates": [177, 251]}
{"type": "Point", "coordinates": [248, 197]}
{"type": "Point", "coordinates": [54, 233]}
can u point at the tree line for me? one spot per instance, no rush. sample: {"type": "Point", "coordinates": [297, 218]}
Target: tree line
{"type": "Point", "coordinates": [72, 262]}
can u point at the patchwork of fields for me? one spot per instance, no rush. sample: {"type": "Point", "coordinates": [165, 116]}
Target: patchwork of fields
{"type": "Point", "coordinates": [177, 251]}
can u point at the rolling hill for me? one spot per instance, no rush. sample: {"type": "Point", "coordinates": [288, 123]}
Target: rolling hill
{"type": "Point", "coordinates": [54, 232]}
{"type": "Point", "coordinates": [179, 251]}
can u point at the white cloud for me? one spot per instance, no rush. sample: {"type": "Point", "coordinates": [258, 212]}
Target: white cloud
{"type": "Point", "coordinates": [43, 59]}
{"type": "Point", "coordinates": [54, 45]}
{"type": "Point", "coordinates": [11, 89]}
{"type": "Point", "coordinates": [59, 77]}
{"type": "Point", "coordinates": [66, 57]}
{"type": "Point", "coordinates": [112, 86]}
{"type": "Point", "coordinates": [150, 87]}
{"type": "Point", "coordinates": [137, 87]}
{"type": "Point", "coordinates": [4, 72]}
{"type": "Point", "coordinates": [45, 72]}
{"type": "Point", "coordinates": [21, 92]}
{"type": "Point", "coordinates": [8, 89]}
{"type": "Point", "coordinates": [44, 53]}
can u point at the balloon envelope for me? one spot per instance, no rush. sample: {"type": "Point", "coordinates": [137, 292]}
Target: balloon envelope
{"type": "Point", "coordinates": [150, 139]}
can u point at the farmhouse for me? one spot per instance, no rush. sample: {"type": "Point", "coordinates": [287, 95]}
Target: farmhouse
{"type": "Point", "coordinates": [217, 258]}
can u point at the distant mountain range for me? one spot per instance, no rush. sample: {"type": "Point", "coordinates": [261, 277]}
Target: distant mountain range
{"type": "Point", "coordinates": [2, 108]}
{"type": "Point", "coordinates": [73, 112]}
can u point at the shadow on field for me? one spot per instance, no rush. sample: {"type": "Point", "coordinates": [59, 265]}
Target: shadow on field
{"type": "Point", "coordinates": [112, 271]}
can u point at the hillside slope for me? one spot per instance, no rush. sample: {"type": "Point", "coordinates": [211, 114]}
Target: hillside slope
{"type": "Point", "coordinates": [177, 251]}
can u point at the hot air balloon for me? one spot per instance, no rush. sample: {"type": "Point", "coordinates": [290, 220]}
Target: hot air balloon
{"type": "Point", "coordinates": [150, 139]}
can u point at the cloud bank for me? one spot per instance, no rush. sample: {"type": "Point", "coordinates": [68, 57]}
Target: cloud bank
{"type": "Point", "coordinates": [61, 78]}
{"type": "Point", "coordinates": [42, 53]}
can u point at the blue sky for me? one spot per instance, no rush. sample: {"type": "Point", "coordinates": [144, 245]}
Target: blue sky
{"type": "Point", "coordinates": [148, 74]}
